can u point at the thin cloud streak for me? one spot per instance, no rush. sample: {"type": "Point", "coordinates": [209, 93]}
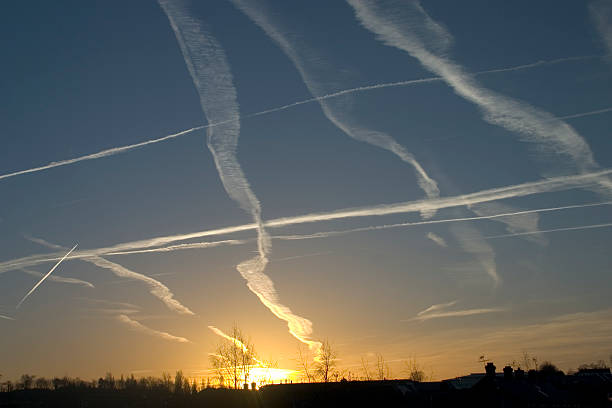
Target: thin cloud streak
{"type": "Point", "coordinates": [156, 288]}
{"type": "Point", "coordinates": [60, 279]}
{"type": "Point", "coordinates": [472, 241]}
{"type": "Point", "coordinates": [46, 275]}
{"type": "Point", "coordinates": [211, 75]}
{"type": "Point", "coordinates": [139, 327]}
{"type": "Point", "coordinates": [435, 307]}
{"type": "Point", "coordinates": [6, 317]}
{"type": "Point", "coordinates": [581, 227]}
{"type": "Point", "coordinates": [411, 29]}
{"type": "Point", "coordinates": [122, 149]}
{"type": "Point", "coordinates": [519, 190]}
{"type": "Point", "coordinates": [514, 223]}
{"type": "Point", "coordinates": [457, 313]}
{"type": "Point", "coordinates": [437, 239]}
{"type": "Point", "coordinates": [601, 14]}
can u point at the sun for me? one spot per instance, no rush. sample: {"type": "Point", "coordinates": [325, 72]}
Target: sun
{"type": "Point", "coordinates": [267, 375]}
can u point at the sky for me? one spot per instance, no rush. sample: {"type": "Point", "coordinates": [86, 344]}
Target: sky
{"type": "Point", "coordinates": [427, 181]}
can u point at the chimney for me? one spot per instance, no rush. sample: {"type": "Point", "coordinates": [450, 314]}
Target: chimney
{"type": "Point", "coordinates": [490, 369]}
{"type": "Point", "coordinates": [508, 372]}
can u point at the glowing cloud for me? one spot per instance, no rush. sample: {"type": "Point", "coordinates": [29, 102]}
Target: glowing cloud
{"type": "Point", "coordinates": [458, 313]}
{"type": "Point", "coordinates": [435, 307]}
{"type": "Point", "coordinates": [139, 327]}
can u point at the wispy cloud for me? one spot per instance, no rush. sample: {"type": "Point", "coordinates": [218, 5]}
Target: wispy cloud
{"type": "Point", "coordinates": [601, 14]}
{"type": "Point", "coordinates": [526, 222]}
{"type": "Point", "coordinates": [458, 313]}
{"type": "Point", "coordinates": [45, 276]}
{"type": "Point", "coordinates": [139, 327]}
{"type": "Point", "coordinates": [6, 317]}
{"type": "Point", "coordinates": [156, 288]}
{"type": "Point", "coordinates": [213, 80]}
{"type": "Point", "coordinates": [437, 306]}
{"type": "Point", "coordinates": [408, 27]}
{"type": "Point", "coordinates": [59, 279]}
{"type": "Point", "coordinates": [437, 239]}
{"type": "Point", "coordinates": [519, 190]}
{"type": "Point", "coordinates": [471, 241]}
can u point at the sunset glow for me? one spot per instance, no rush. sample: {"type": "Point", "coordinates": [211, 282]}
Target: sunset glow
{"type": "Point", "coordinates": [357, 189]}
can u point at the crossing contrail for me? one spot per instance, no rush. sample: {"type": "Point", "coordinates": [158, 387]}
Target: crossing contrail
{"type": "Point", "coordinates": [122, 149]}
{"type": "Point", "coordinates": [45, 277]}
{"type": "Point", "coordinates": [408, 27]}
{"type": "Point", "coordinates": [519, 190]}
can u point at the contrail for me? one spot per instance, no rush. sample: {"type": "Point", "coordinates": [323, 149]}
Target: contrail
{"type": "Point", "coordinates": [137, 326]}
{"type": "Point", "coordinates": [519, 190]}
{"type": "Point", "coordinates": [6, 317]}
{"type": "Point", "coordinates": [411, 29]}
{"type": "Point", "coordinates": [457, 313]}
{"type": "Point", "coordinates": [156, 288]}
{"type": "Point", "coordinates": [311, 68]}
{"type": "Point", "coordinates": [435, 307]}
{"type": "Point", "coordinates": [171, 248]}
{"type": "Point", "coordinates": [579, 115]}
{"type": "Point", "coordinates": [122, 149]}
{"type": "Point", "coordinates": [59, 279]}
{"type": "Point", "coordinates": [328, 234]}
{"type": "Point", "coordinates": [45, 277]}
{"type": "Point", "coordinates": [103, 153]}
{"type": "Point", "coordinates": [581, 227]}
{"type": "Point", "coordinates": [520, 223]}
{"type": "Point", "coordinates": [211, 75]}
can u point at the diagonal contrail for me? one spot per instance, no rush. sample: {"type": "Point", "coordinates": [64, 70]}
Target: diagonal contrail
{"type": "Point", "coordinates": [316, 75]}
{"type": "Point", "coordinates": [122, 149]}
{"type": "Point", "coordinates": [211, 75]}
{"type": "Point", "coordinates": [408, 27]}
{"type": "Point", "coordinates": [46, 275]}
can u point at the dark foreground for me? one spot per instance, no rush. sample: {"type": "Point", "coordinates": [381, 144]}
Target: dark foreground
{"type": "Point", "coordinates": [477, 390]}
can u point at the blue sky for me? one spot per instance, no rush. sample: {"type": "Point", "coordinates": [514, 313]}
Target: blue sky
{"type": "Point", "coordinates": [79, 78]}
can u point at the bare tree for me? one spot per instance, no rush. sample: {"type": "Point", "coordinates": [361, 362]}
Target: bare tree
{"type": "Point", "coordinates": [416, 372]}
{"type": "Point", "coordinates": [365, 367]}
{"type": "Point", "coordinates": [234, 358]}
{"type": "Point", "coordinates": [304, 357]}
{"type": "Point", "coordinates": [326, 364]}
{"type": "Point", "coordinates": [382, 368]}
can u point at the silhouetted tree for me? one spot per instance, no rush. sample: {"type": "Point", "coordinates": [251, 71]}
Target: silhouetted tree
{"type": "Point", "coordinates": [234, 358]}
{"type": "Point", "coordinates": [25, 381]}
{"type": "Point", "coordinates": [382, 368]}
{"type": "Point", "coordinates": [365, 367]}
{"type": "Point", "coordinates": [326, 364]}
{"type": "Point", "coordinates": [304, 357]}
